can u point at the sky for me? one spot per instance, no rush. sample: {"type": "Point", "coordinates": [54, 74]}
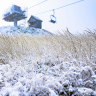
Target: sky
{"type": "Point", "coordinates": [76, 18]}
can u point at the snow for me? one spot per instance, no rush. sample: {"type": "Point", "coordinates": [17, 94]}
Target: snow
{"type": "Point", "coordinates": [27, 77]}
{"type": "Point", "coordinates": [20, 30]}
{"type": "Point", "coordinates": [13, 9]}
{"type": "Point", "coordinates": [16, 79]}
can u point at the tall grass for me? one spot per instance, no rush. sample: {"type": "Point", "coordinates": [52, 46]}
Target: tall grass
{"type": "Point", "coordinates": [67, 46]}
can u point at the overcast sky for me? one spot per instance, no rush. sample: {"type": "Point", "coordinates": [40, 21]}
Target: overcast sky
{"type": "Point", "coordinates": [77, 17]}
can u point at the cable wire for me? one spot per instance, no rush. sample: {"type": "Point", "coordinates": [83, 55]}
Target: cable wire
{"type": "Point", "coordinates": [37, 4]}
{"type": "Point", "coordinates": [60, 7]}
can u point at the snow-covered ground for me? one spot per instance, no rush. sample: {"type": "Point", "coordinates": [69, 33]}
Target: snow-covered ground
{"type": "Point", "coordinates": [21, 29]}
{"type": "Point", "coordinates": [25, 78]}
{"type": "Point", "coordinates": [34, 76]}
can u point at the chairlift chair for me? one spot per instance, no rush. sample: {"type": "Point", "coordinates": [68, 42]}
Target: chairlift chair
{"type": "Point", "coordinates": [53, 19]}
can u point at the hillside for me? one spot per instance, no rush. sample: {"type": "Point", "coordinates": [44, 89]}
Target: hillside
{"type": "Point", "coordinates": [25, 30]}
{"type": "Point", "coordinates": [46, 65]}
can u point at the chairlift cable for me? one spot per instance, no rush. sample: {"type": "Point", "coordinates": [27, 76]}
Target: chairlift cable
{"type": "Point", "coordinates": [37, 4]}
{"type": "Point", "coordinates": [61, 7]}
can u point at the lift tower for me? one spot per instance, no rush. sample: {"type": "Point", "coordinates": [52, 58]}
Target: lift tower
{"type": "Point", "coordinates": [14, 14]}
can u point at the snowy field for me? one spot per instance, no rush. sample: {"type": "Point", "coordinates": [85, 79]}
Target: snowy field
{"type": "Point", "coordinates": [40, 65]}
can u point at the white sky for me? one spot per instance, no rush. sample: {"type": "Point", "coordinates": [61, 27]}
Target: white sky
{"type": "Point", "coordinates": [77, 17]}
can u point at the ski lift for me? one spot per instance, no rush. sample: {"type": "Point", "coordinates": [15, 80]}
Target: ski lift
{"type": "Point", "coordinates": [14, 14]}
{"type": "Point", "coordinates": [53, 18]}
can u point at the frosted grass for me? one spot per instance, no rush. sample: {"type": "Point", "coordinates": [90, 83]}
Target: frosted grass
{"type": "Point", "coordinates": [47, 65]}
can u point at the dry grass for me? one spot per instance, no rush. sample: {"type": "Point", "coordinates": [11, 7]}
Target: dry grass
{"type": "Point", "coordinates": [66, 46]}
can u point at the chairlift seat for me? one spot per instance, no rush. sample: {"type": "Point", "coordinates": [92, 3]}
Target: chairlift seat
{"type": "Point", "coordinates": [53, 19]}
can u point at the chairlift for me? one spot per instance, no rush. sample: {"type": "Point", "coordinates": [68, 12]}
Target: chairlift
{"type": "Point", "coordinates": [53, 18]}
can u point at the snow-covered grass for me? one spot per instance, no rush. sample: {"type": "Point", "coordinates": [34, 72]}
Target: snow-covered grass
{"type": "Point", "coordinates": [63, 65]}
